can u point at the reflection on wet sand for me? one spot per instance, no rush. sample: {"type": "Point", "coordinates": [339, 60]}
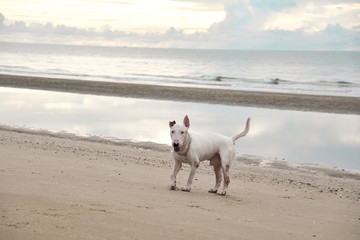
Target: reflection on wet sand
{"type": "Point", "coordinates": [332, 139]}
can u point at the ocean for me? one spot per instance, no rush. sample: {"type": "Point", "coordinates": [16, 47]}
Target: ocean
{"type": "Point", "coordinates": [330, 73]}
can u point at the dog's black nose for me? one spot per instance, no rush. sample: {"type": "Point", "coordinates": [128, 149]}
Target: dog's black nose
{"type": "Point", "coordinates": [176, 145]}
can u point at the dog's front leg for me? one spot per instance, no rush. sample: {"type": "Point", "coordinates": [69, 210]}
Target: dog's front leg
{"type": "Point", "coordinates": [177, 167]}
{"type": "Point", "coordinates": [194, 166]}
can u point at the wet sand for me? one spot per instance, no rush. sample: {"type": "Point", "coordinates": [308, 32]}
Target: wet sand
{"type": "Point", "coordinates": [302, 102]}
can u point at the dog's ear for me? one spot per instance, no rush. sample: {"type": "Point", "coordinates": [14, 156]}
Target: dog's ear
{"type": "Point", "coordinates": [172, 123]}
{"type": "Point", "coordinates": [186, 121]}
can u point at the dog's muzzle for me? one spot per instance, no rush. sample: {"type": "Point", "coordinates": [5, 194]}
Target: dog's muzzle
{"type": "Point", "coordinates": [176, 147]}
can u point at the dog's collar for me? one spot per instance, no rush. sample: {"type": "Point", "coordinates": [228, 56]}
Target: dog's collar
{"type": "Point", "coordinates": [187, 150]}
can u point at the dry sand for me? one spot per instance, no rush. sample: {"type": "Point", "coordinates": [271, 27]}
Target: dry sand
{"type": "Point", "coordinates": [57, 186]}
{"type": "Point", "coordinates": [303, 102]}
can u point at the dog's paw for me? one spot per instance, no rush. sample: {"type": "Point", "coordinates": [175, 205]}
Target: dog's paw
{"type": "Point", "coordinates": [186, 189]}
{"type": "Point", "coordinates": [223, 193]}
{"type": "Point", "coordinates": [173, 188]}
{"type": "Point", "coordinates": [212, 191]}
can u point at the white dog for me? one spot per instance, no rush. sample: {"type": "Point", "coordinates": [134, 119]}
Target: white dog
{"type": "Point", "coordinates": [196, 147]}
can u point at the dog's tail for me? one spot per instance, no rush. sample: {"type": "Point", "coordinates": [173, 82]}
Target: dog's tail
{"type": "Point", "coordinates": [243, 134]}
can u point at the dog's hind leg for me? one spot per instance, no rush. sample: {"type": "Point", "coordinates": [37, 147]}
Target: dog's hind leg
{"type": "Point", "coordinates": [225, 165]}
{"type": "Point", "coordinates": [226, 179]}
{"type": "Point", "coordinates": [215, 161]}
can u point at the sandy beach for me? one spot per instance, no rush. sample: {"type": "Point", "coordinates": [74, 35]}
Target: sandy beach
{"type": "Point", "coordinates": [62, 186]}
{"type": "Point", "coordinates": [55, 186]}
{"type": "Point", "coordinates": [286, 101]}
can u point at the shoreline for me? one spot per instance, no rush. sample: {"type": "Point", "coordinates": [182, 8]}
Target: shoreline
{"type": "Point", "coordinates": [250, 160]}
{"type": "Point", "coordinates": [273, 100]}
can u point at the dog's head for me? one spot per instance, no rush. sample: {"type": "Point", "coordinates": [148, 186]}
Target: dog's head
{"type": "Point", "coordinates": [179, 134]}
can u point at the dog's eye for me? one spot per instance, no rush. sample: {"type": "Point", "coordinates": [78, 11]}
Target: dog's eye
{"type": "Point", "coordinates": [172, 131]}
{"type": "Point", "coordinates": [182, 132]}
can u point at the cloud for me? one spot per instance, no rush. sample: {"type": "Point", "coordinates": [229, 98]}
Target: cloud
{"type": "Point", "coordinates": [273, 5]}
{"type": "Point", "coordinates": [248, 24]}
{"type": "Point", "coordinates": [314, 16]}
{"type": "Point", "coordinates": [2, 19]}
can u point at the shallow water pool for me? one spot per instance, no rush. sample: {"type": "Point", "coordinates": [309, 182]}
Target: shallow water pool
{"type": "Point", "coordinates": [307, 137]}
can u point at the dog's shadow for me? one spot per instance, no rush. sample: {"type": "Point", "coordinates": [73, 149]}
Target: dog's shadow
{"type": "Point", "coordinates": [230, 199]}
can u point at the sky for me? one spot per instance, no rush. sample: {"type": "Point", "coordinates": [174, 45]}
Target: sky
{"type": "Point", "coordinates": [205, 24]}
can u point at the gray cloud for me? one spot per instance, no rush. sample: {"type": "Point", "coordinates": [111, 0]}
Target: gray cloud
{"type": "Point", "coordinates": [272, 4]}
{"type": "Point", "coordinates": [2, 19]}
